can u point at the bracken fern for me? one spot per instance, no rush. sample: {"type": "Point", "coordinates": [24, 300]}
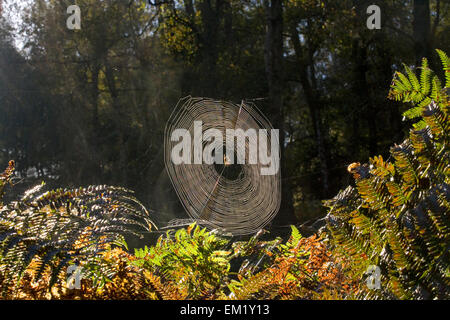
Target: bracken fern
{"type": "Point", "coordinates": [49, 231]}
{"type": "Point", "coordinates": [397, 217]}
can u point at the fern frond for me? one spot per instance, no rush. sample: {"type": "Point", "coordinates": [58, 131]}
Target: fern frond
{"type": "Point", "coordinates": [446, 66]}
{"type": "Point", "coordinates": [59, 226]}
{"type": "Point", "coordinates": [425, 76]}
{"type": "Point", "coordinates": [399, 214]}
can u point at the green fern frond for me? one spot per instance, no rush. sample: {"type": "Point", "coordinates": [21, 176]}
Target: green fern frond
{"type": "Point", "coordinates": [446, 66]}
{"type": "Point", "coordinates": [413, 79]}
{"type": "Point", "coordinates": [425, 76]}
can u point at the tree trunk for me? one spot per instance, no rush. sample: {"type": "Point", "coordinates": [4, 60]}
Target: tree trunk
{"type": "Point", "coordinates": [362, 89]}
{"type": "Point", "coordinates": [94, 93]}
{"type": "Point", "coordinates": [274, 72]}
{"type": "Point", "coordinates": [422, 30]}
{"type": "Point", "coordinates": [361, 85]}
{"type": "Point", "coordinates": [312, 100]}
{"type": "Point", "coordinates": [212, 17]}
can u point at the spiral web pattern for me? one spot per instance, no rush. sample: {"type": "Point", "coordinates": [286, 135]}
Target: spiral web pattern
{"type": "Point", "coordinates": [234, 198]}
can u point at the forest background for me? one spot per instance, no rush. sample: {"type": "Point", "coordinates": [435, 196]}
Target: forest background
{"type": "Point", "coordinates": [89, 106]}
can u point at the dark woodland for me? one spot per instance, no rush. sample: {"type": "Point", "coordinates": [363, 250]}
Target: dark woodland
{"type": "Point", "coordinates": [88, 107]}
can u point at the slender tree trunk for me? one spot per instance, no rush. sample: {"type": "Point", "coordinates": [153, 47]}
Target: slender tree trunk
{"type": "Point", "coordinates": [274, 73]}
{"type": "Point", "coordinates": [228, 23]}
{"type": "Point", "coordinates": [122, 116]}
{"type": "Point", "coordinates": [362, 88]}
{"type": "Point", "coordinates": [92, 142]}
{"type": "Point", "coordinates": [313, 102]}
{"type": "Point", "coordinates": [212, 16]}
{"type": "Point", "coordinates": [95, 117]}
{"type": "Point", "coordinates": [189, 7]}
{"type": "Point", "coordinates": [422, 30]}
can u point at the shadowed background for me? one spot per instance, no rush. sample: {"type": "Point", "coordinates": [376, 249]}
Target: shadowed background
{"type": "Point", "coordinates": [89, 106]}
